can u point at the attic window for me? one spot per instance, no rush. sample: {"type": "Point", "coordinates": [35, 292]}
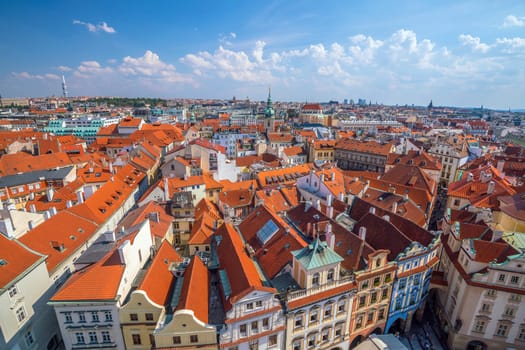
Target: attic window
{"type": "Point", "coordinates": [102, 210]}
{"type": "Point", "coordinates": [267, 231]}
{"type": "Point", "coordinates": [72, 237]}
{"type": "Point", "coordinates": [3, 262]}
{"type": "Point", "coordinates": [349, 251]}
{"type": "Point", "coordinates": [81, 230]}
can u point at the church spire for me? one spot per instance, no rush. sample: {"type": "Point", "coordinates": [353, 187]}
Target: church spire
{"type": "Point", "coordinates": [269, 112]}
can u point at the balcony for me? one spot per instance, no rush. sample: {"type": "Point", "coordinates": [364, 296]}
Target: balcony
{"type": "Point", "coordinates": [318, 289]}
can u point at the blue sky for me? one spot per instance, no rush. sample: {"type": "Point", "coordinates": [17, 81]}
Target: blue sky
{"type": "Point", "coordinates": [457, 53]}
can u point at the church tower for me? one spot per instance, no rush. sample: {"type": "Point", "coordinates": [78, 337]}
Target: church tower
{"type": "Point", "coordinates": [269, 114]}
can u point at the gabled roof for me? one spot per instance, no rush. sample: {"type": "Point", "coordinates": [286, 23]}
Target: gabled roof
{"type": "Point", "coordinates": [195, 291]}
{"type": "Point", "coordinates": [202, 230]}
{"type": "Point", "coordinates": [364, 146]}
{"type": "Point", "coordinates": [316, 255]}
{"type": "Point", "coordinates": [159, 278]}
{"type": "Point", "coordinates": [389, 201]}
{"type": "Point", "coordinates": [410, 176]}
{"type": "Point", "coordinates": [280, 137]}
{"type": "Point", "coordinates": [394, 234]}
{"type": "Point", "coordinates": [487, 251]}
{"type": "Point", "coordinates": [15, 259]}
{"type": "Point", "coordinates": [59, 237]}
{"type": "Point", "coordinates": [237, 198]}
{"type": "Point", "coordinates": [281, 239]}
{"type": "Point", "coordinates": [241, 272]}
{"type": "Point", "coordinates": [274, 199]}
{"type": "Point", "coordinates": [281, 176]}
{"type": "Point", "coordinates": [418, 158]}
{"type": "Point", "coordinates": [151, 210]}
{"type": "Point", "coordinates": [475, 187]}
{"type": "Point", "coordinates": [294, 151]}
{"type": "Point", "coordinates": [99, 281]}
{"type": "Point", "coordinates": [21, 162]}
{"type": "Point", "coordinates": [312, 223]}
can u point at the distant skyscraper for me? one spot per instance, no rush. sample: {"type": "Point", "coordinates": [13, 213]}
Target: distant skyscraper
{"type": "Point", "coordinates": [64, 87]}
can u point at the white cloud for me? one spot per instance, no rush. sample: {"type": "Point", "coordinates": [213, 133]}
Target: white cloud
{"type": "Point", "coordinates": [225, 40]}
{"type": "Point", "coordinates": [151, 66]}
{"type": "Point", "coordinates": [365, 48]}
{"type": "Point", "coordinates": [26, 75]}
{"type": "Point", "coordinates": [232, 64]}
{"type": "Point", "coordinates": [52, 76]}
{"type": "Point", "coordinates": [148, 65]}
{"type": "Point", "coordinates": [513, 21]}
{"type": "Point", "coordinates": [317, 51]}
{"type": "Point", "coordinates": [511, 44]}
{"type": "Point", "coordinates": [101, 27]}
{"type": "Point", "coordinates": [64, 68]}
{"type": "Point", "coordinates": [473, 42]}
{"type": "Point", "coordinates": [258, 51]}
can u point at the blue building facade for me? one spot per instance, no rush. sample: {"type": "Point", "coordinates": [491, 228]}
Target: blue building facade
{"type": "Point", "coordinates": [412, 284]}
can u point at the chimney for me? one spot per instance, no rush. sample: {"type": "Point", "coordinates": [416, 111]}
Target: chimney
{"type": "Point", "coordinates": [110, 236]}
{"type": "Point", "coordinates": [166, 190]}
{"type": "Point", "coordinates": [80, 197]}
{"type": "Point", "coordinates": [318, 204]}
{"type": "Point", "coordinates": [47, 215]}
{"type": "Point", "coordinates": [32, 208]}
{"type": "Point", "coordinates": [490, 189]}
{"type": "Point", "coordinates": [470, 177]}
{"type": "Point", "coordinates": [111, 168]}
{"type": "Point", "coordinates": [341, 196]}
{"type": "Point", "coordinates": [330, 237]}
{"type": "Point", "coordinates": [53, 211]}
{"type": "Point", "coordinates": [321, 179]}
{"type": "Point", "coordinates": [50, 192]}
{"type": "Point", "coordinates": [329, 199]}
{"type": "Point", "coordinates": [394, 207]}
{"type": "Point", "coordinates": [31, 225]}
{"type": "Point", "coordinates": [69, 203]}
{"type": "Point", "coordinates": [308, 228]}
{"type": "Point", "coordinates": [333, 176]}
{"type": "Point", "coordinates": [330, 212]}
{"type": "Point", "coordinates": [362, 233]}
{"type": "Point", "coordinates": [386, 218]}
{"type": "Point", "coordinates": [6, 226]}
{"type": "Point", "coordinates": [307, 205]}
{"type": "Point", "coordinates": [32, 196]}
{"type": "Point", "coordinates": [372, 210]}
{"type": "Point", "coordinates": [500, 165]}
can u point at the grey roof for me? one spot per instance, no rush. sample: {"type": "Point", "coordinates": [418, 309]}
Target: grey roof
{"type": "Point", "coordinates": [35, 176]}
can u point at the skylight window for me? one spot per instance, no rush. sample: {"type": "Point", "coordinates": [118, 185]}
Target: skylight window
{"type": "Point", "coordinates": [267, 231]}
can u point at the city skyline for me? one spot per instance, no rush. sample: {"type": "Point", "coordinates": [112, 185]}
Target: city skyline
{"type": "Point", "coordinates": [458, 54]}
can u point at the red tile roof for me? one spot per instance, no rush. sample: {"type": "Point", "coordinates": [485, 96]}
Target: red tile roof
{"type": "Point", "coordinates": [159, 278]}
{"type": "Point", "coordinates": [242, 273]}
{"type": "Point", "coordinates": [275, 254]}
{"type": "Point", "coordinates": [418, 158]}
{"type": "Point", "coordinates": [99, 281]}
{"type": "Point", "coordinates": [364, 146]}
{"type": "Point", "coordinates": [12, 164]}
{"type": "Point", "coordinates": [16, 259]}
{"type": "Point", "coordinates": [60, 237]}
{"type": "Point", "coordinates": [196, 289]}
